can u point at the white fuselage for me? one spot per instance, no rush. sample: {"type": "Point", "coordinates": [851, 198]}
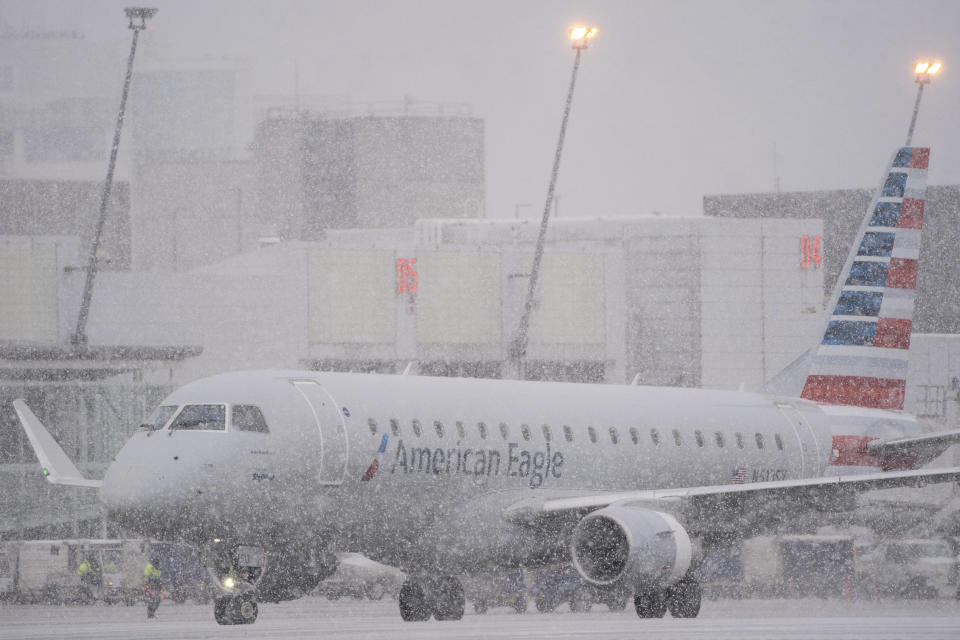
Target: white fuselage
{"type": "Point", "coordinates": [405, 468]}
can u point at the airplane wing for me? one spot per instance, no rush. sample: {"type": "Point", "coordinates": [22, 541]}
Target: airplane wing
{"type": "Point", "coordinates": [699, 502]}
{"type": "Point", "coordinates": [57, 467]}
{"type": "Point", "coordinates": [921, 449]}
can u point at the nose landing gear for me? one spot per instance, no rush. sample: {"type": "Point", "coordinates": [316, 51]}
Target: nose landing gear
{"type": "Point", "coordinates": [237, 571]}
{"type": "Point", "coordinates": [239, 609]}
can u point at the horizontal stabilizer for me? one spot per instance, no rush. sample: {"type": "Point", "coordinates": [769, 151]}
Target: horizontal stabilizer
{"type": "Point", "coordinates": [57, 467]}
{"type": "Point", "coordinates": [924, 448]}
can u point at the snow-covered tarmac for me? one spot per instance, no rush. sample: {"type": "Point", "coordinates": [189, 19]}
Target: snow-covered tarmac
{"type": "Point", "coordinates": [316, 618]}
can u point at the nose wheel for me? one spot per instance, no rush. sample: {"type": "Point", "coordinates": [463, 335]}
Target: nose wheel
{"type": "Point", "coordinates": [241, 609]}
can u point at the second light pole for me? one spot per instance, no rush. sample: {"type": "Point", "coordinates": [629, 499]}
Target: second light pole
{"type": "Point", "coordinates": [580, 36]}
{"type": "Point", "coordinates": [923, 71]}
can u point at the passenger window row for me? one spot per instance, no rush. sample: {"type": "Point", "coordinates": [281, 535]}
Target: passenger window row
{"type": "Point", "coordinates": [525, 432]}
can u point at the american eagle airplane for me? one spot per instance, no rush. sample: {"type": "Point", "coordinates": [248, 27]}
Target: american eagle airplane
{"type": "Point", "coordinates": [271, 472]}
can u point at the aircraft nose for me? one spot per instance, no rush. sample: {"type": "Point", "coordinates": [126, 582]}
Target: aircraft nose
{"type": "Point", "coordinates": [115, 493]}
{"type": "Point", "coordinates": [142, 494]}
{"type": "Point", "coordinates": [127, 495]}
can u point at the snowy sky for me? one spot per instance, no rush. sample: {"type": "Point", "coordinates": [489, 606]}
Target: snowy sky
{"type": "Point", "coordinates": [675, 100]}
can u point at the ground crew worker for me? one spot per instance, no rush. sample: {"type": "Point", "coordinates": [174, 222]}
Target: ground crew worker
{"type": "Point", "coordinates": [84, 571]}
{"type": "Point", "coordinates": [88, 578]}
{"type": "Point", "coordinates": [153, 585]}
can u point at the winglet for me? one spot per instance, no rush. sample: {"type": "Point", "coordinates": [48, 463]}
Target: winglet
{"type": "Point", "coordinates": [57, 467]}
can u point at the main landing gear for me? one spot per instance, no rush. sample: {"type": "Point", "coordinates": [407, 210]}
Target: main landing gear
{"type": "Point", "coordinates": [422, 597]}
{"type": "Point", "coordinates": [682, 599]}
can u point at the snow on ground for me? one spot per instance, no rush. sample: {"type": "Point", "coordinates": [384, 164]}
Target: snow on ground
{"type": "Point", "coordinates": [316, 618]}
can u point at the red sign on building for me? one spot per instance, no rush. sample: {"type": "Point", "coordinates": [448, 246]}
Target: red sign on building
{"type": "Point", "coordinates": [406, 275]}
{"type": "Point", "coordinates": [810, 252]}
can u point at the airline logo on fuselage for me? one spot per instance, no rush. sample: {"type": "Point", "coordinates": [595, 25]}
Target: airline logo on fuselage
{"type": "Point", "coordinates": [372, 469]}
{"type": "Point", "coordinates": [537, 466]}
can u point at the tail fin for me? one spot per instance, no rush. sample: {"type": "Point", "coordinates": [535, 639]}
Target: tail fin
{"type": "Point", "coordinates": [862, 359]}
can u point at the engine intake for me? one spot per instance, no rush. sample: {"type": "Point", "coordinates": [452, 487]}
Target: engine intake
{"type": "Point", "coordinates": [633, 545]}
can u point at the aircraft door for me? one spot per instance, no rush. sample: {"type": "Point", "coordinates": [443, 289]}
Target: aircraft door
{"type": "Point", "coordinates": [334, 447]}
{"type": "Point", "coordinates": [809, 445]}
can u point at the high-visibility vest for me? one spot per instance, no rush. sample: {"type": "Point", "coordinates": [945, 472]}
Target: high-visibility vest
{"type": "Point", "coordinates": [84, 568]}
{"type": "Point", "coordinates": [150, 571]}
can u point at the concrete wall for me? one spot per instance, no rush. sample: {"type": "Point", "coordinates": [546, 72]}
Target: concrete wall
{"type": "Point", "coordinates": [58, 106]}
{"type": "Point", "coordinates": [933, 378]}
{"type": "Point", "coordinates": [694, 302]}
{"type": "Point", "coordinates": [760, 308]}
{"type": "Point", "coordinates": [192, 209]}
{"type": "Point", "coordinates": [317, 172]}
{"type": "Point", "coordinates": [938, 282]}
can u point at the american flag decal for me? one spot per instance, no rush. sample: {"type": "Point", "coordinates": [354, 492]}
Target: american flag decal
{"type": "Point", "coordinates": [738, 476]}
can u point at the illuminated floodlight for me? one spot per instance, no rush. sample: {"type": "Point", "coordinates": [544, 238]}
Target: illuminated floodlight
{"type": "Point", "coordinates": [925, 69]}
{"type": "Point", "coordinates": [579, 36]}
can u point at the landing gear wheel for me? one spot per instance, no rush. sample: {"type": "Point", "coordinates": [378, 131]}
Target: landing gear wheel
{"type": "Point", "coordinates": [520, 606]}
{"type": "Point", "coordinates": [617, 602]}
{"type": "Point", "coordinates": [580, 601]}
{"type": "Point", "coordinates": [650, 603]}
{"type": "Point", "coordinates": [240, 609]}
{"type": "Point", "coordinates": [683, 598]}
{"type": "Point", "coordinates": [245, 609]}
{"type": "Point", "coordinates": [544, 605]}
{"type": "Point", "coordinates": [450, 601]}
{"type": "Point", "coordinates": [413, 601]}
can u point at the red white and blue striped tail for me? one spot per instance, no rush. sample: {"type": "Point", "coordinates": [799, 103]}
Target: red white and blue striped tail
{"type": "Point", "coordinates": [862, 359]}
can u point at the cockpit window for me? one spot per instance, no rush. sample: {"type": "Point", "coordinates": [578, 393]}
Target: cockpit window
{"type": "Point", "coordinates": [159, 418]}
{"type": "Point", "coordinates": [247, 417]}
{"type": "Point", "coordinates": [201, 417]}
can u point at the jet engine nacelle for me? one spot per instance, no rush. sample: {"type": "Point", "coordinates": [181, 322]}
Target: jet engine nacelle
{"type": "Point", "coordinates": [621, 544]}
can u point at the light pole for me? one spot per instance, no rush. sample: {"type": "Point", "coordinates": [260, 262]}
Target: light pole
{"type": "Point", "coordinates": [924, 72]}
{"type": "Point", "coordinates": [79, 337]}
{"type": "Point", "coordinates": [579, 37]}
